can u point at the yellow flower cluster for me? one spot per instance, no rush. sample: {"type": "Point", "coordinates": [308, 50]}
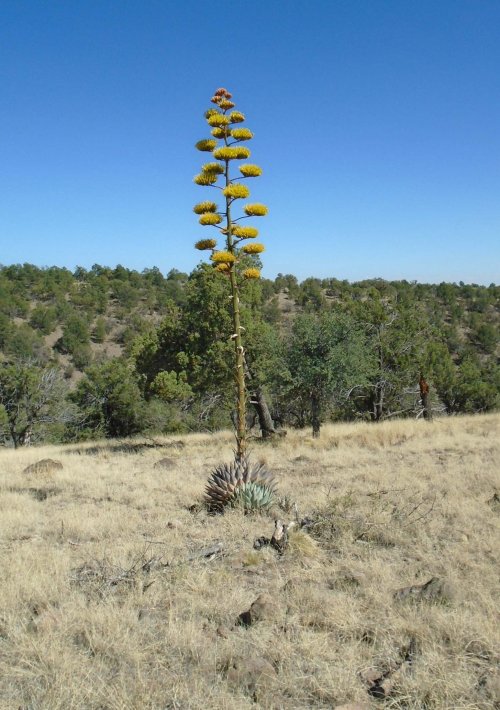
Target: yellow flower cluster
{"type": "Point", "coordinates": [241, 134]}
{"type": "Point", "coordinates": [216, 168]}
{"type": "Point", "coordinates": [236, 117]}
{"type": "Point", "coordinates": [242, 153]}
{"type": "Point", "coordinates": [236, 191]}
{"type": "Point", "coordinates": [253, 248]}
{"type": "Point", "coordinates": [225, 104]}
{"type": "Point", "coordinates": [225, 153]}
{"type": "Point", "coordinates": [249, 170]}
{"type": "Point", "coordinates": [245, 232]}
{"type": "Point", "coordinates": [207, 144]}
{"type": "Point", "coordinates": [220, 132]}
{"type": "Point", "coordinates": [255, 210]}
{"type": "Point", "coordinates": [223, 257]}
{"type": "Point", "coordinates": [205, 178]}
{"type": "Point", "coordinates": [221, 119]}
{"type": "Point", "coordinates": [205, 244]}
{"type": "Point", "coordinates": [203, 207]}
{"type": "Point", "coordinates": [218, 120]}
{"type": "Point", "coordinates": [251, 274]}
{"type": "Point", "coordinates": [210, 218]}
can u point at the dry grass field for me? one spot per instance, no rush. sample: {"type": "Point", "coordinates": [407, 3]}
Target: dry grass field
{"type": "Point", "coordinates": [107, 600]}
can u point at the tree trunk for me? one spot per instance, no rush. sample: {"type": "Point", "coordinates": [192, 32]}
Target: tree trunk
{"type": "Point", "coordinates": [258, 401]}
{"type": "Point", "coordinates": [315, 415]}
{"type": "Point", "coordinates": [265, 420]}
{"type": "Point", "coordinates": [424, 397]}
{"type": "Point", "coordinates": [14, 436]}
{"type": "Point", "coordinates": [378, 403]}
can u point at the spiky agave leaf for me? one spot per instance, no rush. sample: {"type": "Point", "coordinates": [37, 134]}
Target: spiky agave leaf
{"type": "Point", "coordinates": [229, 481]}
{"type": "Point", "coordinates": [252, 496]}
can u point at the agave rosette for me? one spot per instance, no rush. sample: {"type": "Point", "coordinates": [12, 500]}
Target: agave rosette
{"type": "Point", "coordinates": [240, 483]}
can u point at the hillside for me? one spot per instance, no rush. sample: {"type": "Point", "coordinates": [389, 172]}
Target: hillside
{"type": "Point", "coordinates": [110, 599]}
{"type": "Point", "coordinates": [105, 309]}
{"type": "Point", "coordinates": [128, 352]}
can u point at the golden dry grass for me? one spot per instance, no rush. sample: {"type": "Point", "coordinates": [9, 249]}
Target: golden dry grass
{"type": "Point", "coordinates": [101, 607]}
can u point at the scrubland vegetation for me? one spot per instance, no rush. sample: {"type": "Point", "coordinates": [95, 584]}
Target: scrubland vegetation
{"type": "Point", "coordinates": [113, 352]}
{"type": "Point", "coordinates": [116, 593]}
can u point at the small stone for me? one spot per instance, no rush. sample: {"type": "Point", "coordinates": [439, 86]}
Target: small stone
{"type": "Point", "coordinates": [43, 466]}
{"type": "Point", "coordinates": [352, 706]}
{"type": "Point", "coordinates": [223, 632]}
{"type": "Point", "coordinates": [494, 502]}
{"type": "Point", "coordinates": [174, 524]}
{"type": "Point", "coordinates": [264, 608]}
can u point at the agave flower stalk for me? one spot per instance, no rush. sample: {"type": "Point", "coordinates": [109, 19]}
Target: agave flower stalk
{"type": "Point", "coordinates": [228, 259]}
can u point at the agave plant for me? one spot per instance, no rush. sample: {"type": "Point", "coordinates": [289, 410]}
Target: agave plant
{"type": "Point", "coordinates": [240, 483]}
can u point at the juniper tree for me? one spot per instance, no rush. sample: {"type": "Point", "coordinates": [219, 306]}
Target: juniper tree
{"type": "Point", "coordinates": [231, 257]}
{"type": "Point", "coordinates": [32, 400]}
{"type": "Point", "coordinates": [327, 358]}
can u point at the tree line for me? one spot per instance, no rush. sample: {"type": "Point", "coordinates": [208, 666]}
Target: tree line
{"type": "Point", "coordinates": [319, 350]}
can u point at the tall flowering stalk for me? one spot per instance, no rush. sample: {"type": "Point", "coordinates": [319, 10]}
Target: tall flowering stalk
{"type": "Point", "coordinates": [226, 149]}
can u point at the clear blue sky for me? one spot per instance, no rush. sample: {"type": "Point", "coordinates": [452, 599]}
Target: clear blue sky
{"type": "Point", "coordinates": [376, 123]}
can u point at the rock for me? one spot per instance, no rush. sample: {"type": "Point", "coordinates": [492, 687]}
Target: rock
{"type": "Point", "coordinates": [264, 608]}
{"type": "Point", "coordinates": [250, 672]}
{"type": "Point", "coordinates": [433, 590]}
{"type": "Point", "coordinates": [165, 463]}
{"type": "Point", "coordinates": [3, 628]}
{"type": "Point", "coordinates": [44, 466]}
{"type": "Point", "coordinates": [174, 524]}
{"type": "Point", "coordinates": [352, 706]}
{"type": "Point", "coordinates": [494, 502]}
{"type": "Point", "coordinates": [223, 631]}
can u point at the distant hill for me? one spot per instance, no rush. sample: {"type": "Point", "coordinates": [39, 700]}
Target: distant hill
{"type": "Point", "coordinates": [77, 318]}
